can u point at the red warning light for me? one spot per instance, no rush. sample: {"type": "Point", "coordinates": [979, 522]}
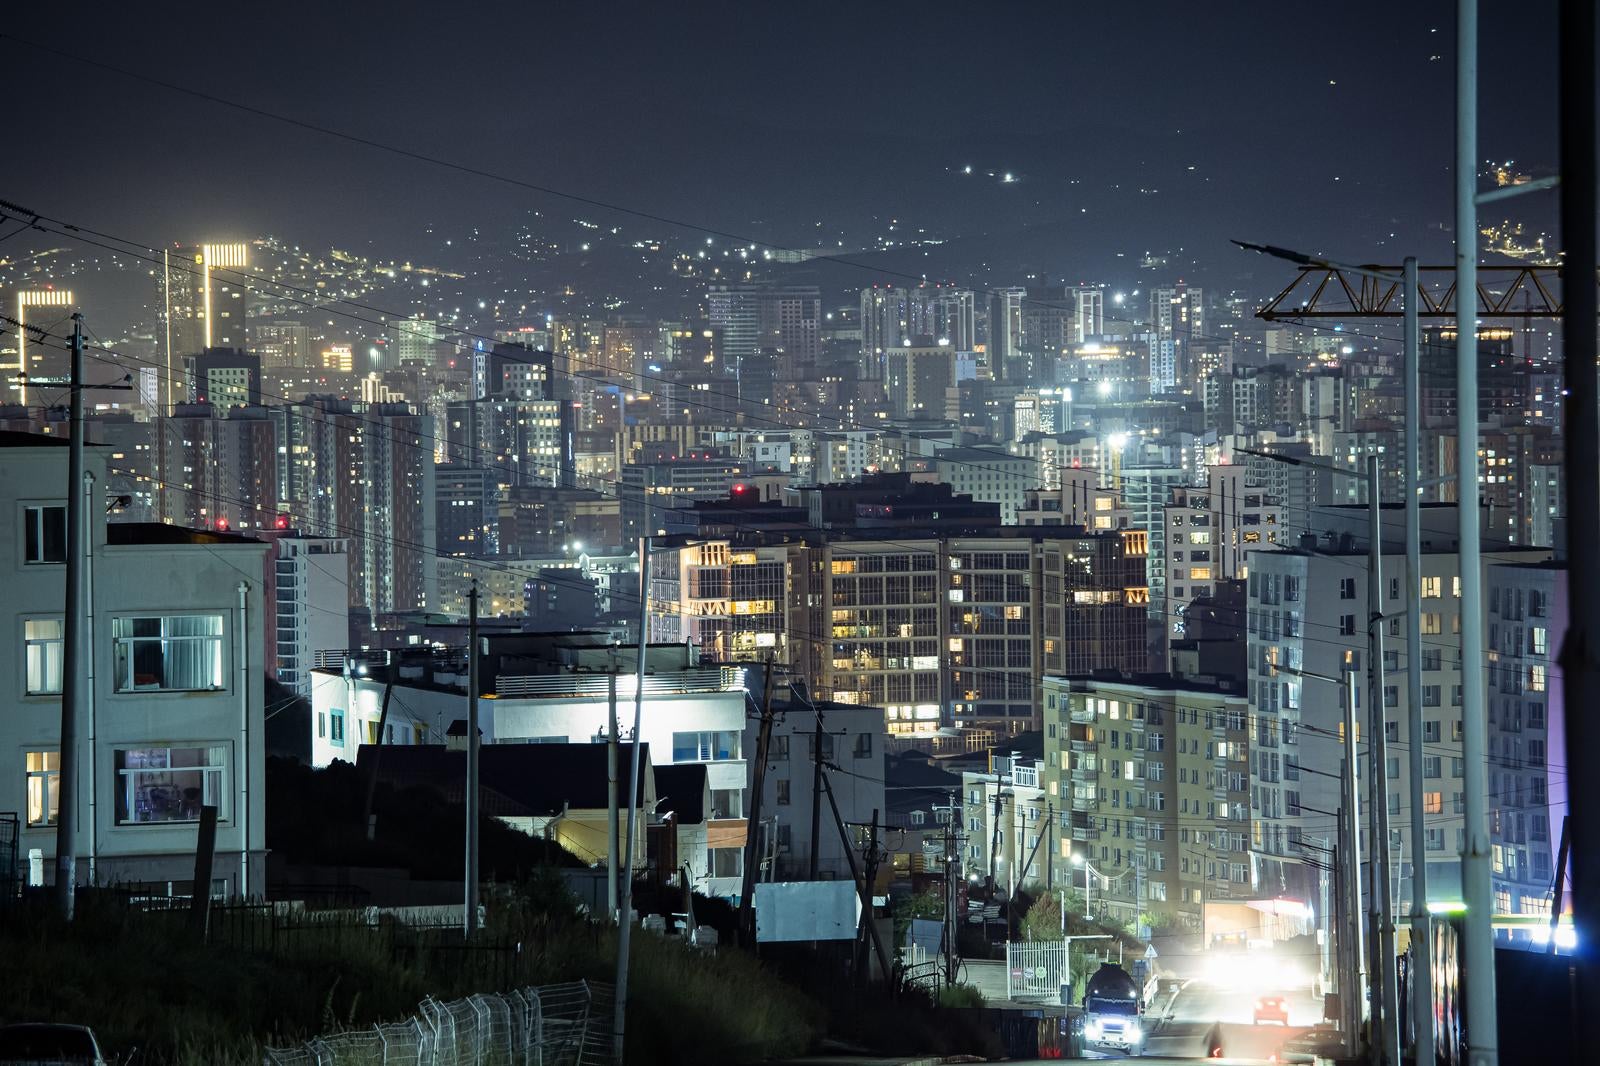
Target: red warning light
{"type": "Point", "coordinates": [282, 522]}
{"type": "Point", "coordinates": [222, 524]}
{"type": "Point", "coordinates": [739, 490]}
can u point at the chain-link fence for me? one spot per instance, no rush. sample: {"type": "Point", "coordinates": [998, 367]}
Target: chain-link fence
{"type": "Point", "coordinates": [552, 1025]}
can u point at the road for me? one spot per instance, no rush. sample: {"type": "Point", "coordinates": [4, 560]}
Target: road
{"type": "Point", "coordinates": [1181, 1028]}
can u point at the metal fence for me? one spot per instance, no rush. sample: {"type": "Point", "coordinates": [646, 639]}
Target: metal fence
{"type": "Point", "coordinates": [552, 1025]}
{"type": "Point", "coordinates": [1035, 969]}
{"type": "Point", "coordinates": [10, 879]}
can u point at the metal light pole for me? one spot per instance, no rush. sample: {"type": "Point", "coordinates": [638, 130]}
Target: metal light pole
{"type": "Point", "coordinates": [469, 921]}
{"type": "Point", "coordinates": [74, 645]}
{"type": "Point", "coordinates": [1353, 980]}
{"type": "Point", "coordinates": [1421, 1005]}
{"type": "Point", "coordinates": [625, 888]}
{"type": "Point", "coordinates": [1381, 903]}
{"type": "Point", "coordinates": [1483, 1039]}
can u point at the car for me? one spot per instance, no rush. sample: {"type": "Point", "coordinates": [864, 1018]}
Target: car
{"type": "Point", "coordinates": [1321, 1042]}
{"type": "Point", "coordinates": [43, 1044]}
{"type": "Point", "coordinates": [1271, 1009]}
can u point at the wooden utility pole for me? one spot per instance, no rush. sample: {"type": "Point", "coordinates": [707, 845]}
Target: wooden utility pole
{"type": "Point", "coordinates": [816, 794]}
{"type": "Point", "coordinates": [367, 821]}
{"type": "Point", "coordinates": [752, 845]}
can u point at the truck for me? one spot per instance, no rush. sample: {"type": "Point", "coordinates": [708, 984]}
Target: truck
{"type": "Point", "coordinates": [1112, 1012]}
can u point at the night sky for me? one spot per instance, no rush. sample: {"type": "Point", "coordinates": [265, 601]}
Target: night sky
{"type": "Point", "coordinates": [1129, 128]}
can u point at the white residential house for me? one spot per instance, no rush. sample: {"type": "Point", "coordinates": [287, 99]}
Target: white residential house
{"type": "Point", "coordinates": [852, 756]}
{"type": "Point", "coordinates": [175, 686]}
{"type": "Point", "coordinates": [554, 689]}
{"type": "Point", "coordinates": [1006, 812]}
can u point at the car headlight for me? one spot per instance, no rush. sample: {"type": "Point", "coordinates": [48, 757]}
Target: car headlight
{"type": "Point", "coordinates": [1133, 1033]}
{"type": "Point", "coordinates": [1092, 1030]}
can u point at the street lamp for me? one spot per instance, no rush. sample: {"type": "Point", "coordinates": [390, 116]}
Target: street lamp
{"type": "Point", "coordinates": [1352, 977]}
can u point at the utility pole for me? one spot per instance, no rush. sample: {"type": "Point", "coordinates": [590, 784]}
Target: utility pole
{"type": "Point", "coordinates": [625, 890]}
{"type": "Point", "coordinates": [758, 784]}
{"type": "Point", "coordinates": [1352, 870]}
{"type": "Point", "coordinates": [1579, 662]}
{"type": "Point", "coordinates": [1483, 1038]}
{"type": "Point", "coordinates": [855, 875]}
{"type": "Point", "coordinates": [73, 645]}
{"type": "Point", "coordinates": [1420, 1007]}
{"type": "Point", "coordinates": [1381, 902]}
{"type": "Point", "coordinates": [613, 836]}
{"type": "Point", "coordinates": [816, 794]}
{"type": "Point", "coordinates": [870, 862]}
{"type": "Point", "coordinates": [1049, 865]}
{"type": "Point", "coordinates": [368, 822]}
{"type": "Point", "coordinates": [470, 918]}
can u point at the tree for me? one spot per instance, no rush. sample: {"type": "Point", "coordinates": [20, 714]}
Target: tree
{"type": "Point", "coordinates": [1043, 920]}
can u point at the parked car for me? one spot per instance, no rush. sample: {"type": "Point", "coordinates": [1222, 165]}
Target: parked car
{"type": "Point", "coordinates": [41, 1044]}
{"type": "Point", "coordinates": [1272, 1009]}
{"type": "Point", "coordinates": [1323, 1042]}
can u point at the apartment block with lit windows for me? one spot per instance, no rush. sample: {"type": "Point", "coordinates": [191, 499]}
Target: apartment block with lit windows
{"type": "Point", "coordinates": [174, 678]}
{"type": "Point", "coordinates": [1307, 612]}
{"type": "Point", "coordinates": [1210, 533]}
{"type": "Point", "coordinates": [1153, 773]}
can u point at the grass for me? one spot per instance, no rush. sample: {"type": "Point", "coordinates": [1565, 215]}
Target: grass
{"type": "Point", "coordinates": [144, 981]}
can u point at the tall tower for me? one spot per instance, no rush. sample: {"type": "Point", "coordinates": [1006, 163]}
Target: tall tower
{"type": "Point", "coordinates": [1176, 317]}
{"type": "Point", "coordinates": [36, 363]}
{"type": "Point", "coordinates": [199, 308]}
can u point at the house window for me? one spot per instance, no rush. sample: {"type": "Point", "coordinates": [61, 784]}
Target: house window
{"type": "Point", "coordinates": [44, 534]}
{"type": "Point", "coordinates": [41, 638]}
{"type": "Point", "coordinates": [322, 725]}
{"type": "Point", "coordinates": [170, 784]}
{"type": "Point", "coordinates": [779, 750]}
{"type": "Point", "coordinates": [783, 792]}
{"type": "Point", "coordinates": [1347, 625]}
{"type": "Point", "coordinates": [179, 653]}
{"type": "Point", "coordinates": [1432, 587]}
{"type": "Point", "coordinates": [863, 748]}
{"type": "Point", "coordinates": [727, 862]}
{"type": "Point", "coordinates": [44, 786]}
{"type": "Point", "coordinates": [727, 803]}
{"type": "Point", "coordinates": [1347, 588]}
{"type": "Point", "coordinates": [705, 746]}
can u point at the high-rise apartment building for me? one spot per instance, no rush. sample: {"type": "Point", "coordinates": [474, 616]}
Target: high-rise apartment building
{"type": "Point", "coordinates": [1177, 316]}
{"type": "Point", "coordinates": [753, 317]}
{"type": "Point", "coordinates": [414, 342]}
{"type": "Point", "coordinates": [217, 469]}
{"type": "Point", "coordinates": [921, 382]}
{"type": "Point", "coordinates": [1089, 321]}
{"type": "Point", "coordinates": [1211, 531]}
{"type": "Point", "coordinates": [1307, 612]}
{"type": "Point", "coordinates": [308, 603]}
{"type": "Point", "coordinates": [281, 345]}
{"type": "Point", "coordinates": [1152, 776]}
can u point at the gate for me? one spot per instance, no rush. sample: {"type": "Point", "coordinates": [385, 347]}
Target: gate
{"type": "Point", "coordinates": [10, 872]}
{"type": "Point", "coordinates": [1036, 969]}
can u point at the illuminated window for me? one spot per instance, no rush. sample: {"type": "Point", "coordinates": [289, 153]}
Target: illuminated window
{"type": "Point", "coordinates": [44, 786]}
